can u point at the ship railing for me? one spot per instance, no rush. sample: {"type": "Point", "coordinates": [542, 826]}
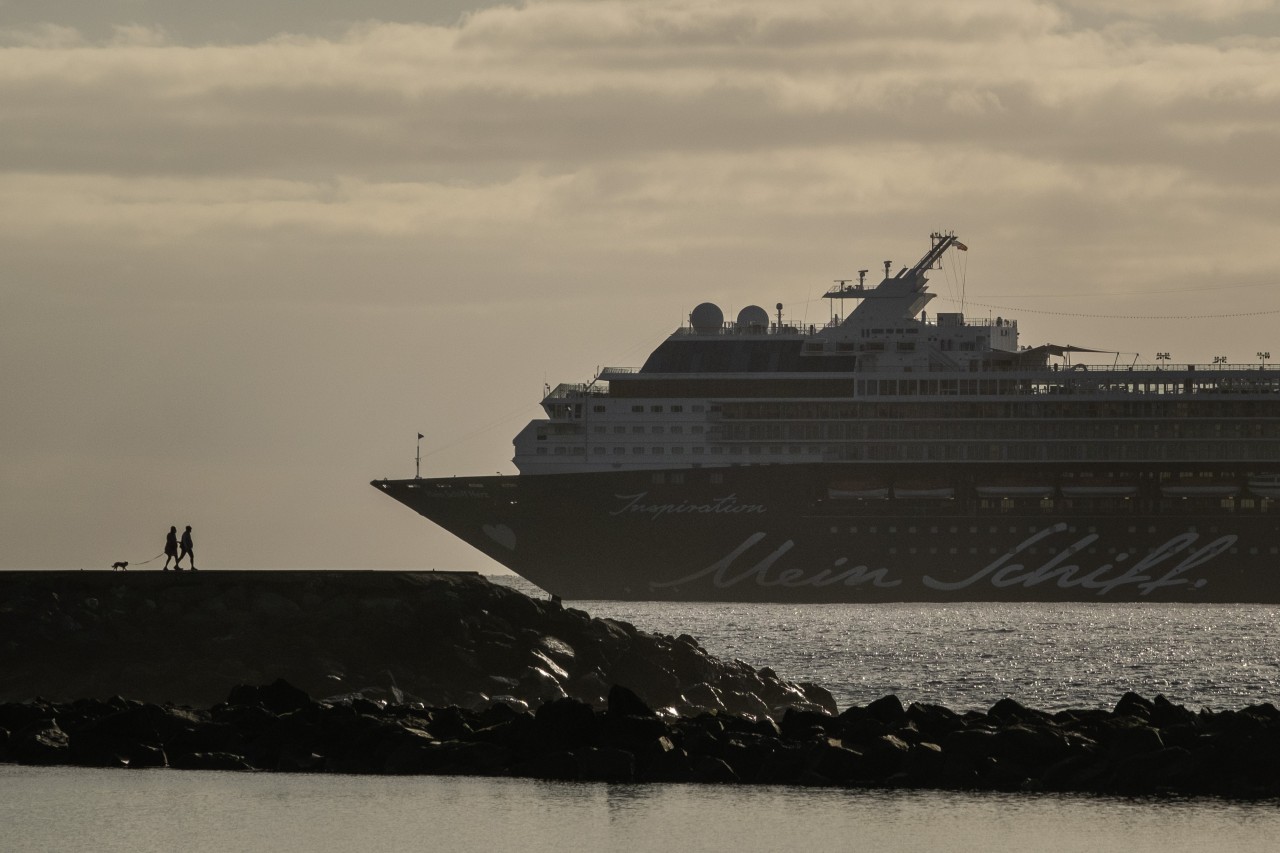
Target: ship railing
{"type": "Point", "coordinates": [578, 389]}
{"type": "Point", "coordinates": [731, 329]}
{"type": "Point", "coordinates": [1165, 367]}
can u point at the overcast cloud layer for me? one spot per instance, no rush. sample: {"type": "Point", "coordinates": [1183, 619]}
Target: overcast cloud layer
{"type": "Point", "coordinates": [248, 256]}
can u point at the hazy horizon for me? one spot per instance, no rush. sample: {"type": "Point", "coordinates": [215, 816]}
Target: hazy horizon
{"type": "Point", "coordinates": [252, 251]}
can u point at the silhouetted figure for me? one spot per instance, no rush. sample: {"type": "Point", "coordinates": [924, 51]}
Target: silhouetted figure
{"type": "Point", "coordinates": [171, 549]}
{"type": "Point", "coordinates": [188, 550]}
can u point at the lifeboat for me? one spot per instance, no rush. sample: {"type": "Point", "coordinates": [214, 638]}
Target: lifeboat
{"type": "Point", "coordinates": [1014, 489]}
{"type": "Point", "coordinates": [1265, 487]}
{"type": "Point", "coordinates": [858, 490]}
{"type": "Point", "coordinates": [923, 490]}
{"type": "Point", "coordinates": [1099, 490]}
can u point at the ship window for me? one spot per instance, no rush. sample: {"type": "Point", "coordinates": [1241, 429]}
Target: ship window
{"type": "Point", "coordinates": [677, 450]}
{"type": "Point", "coordinates": [696, 429]}
{"type": "Point", "coordinates": [597, 408]}
{"type": "Point", "coordinates": [600, 430]}
{"type": "Point", "coordinates": [657, 430]}
{"type": "Point", "coordinates": [697, 450]}
{"type": "Point", "coordinates": [658, 450]}
{"type": "Point", "coordinates": [638, 429]}
{"type": "Point", "coordinates": [697, 408]}
{"type": "Point", "coordinates": [542, 451]}
{"type": "Point", "coordinates": [619, 429]}
{"type": "Point", "coordinates": [637, 408]}
{"type": "Point", "coordinates": [637, 450]}
{"type": "Point", "coordinates": [716, 451]}
{"type": "Point", "coordinates": [618, 451]}
{"type": "Point", "coordinates": [598, 451]}
{"type": "Point", "coordinates": [655, 408]}
{"type": "Point", "coordinates": [677, 408]}
{"type": "Point", "coordinates": [561, 451]}
{"type": "Point", "coordinates": [677, 430]}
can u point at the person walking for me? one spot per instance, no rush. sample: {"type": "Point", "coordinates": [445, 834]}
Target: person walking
{"type": "Point", "coordinates": [188, 550]}
{"type": "Point", "coordinates": [171, 549]}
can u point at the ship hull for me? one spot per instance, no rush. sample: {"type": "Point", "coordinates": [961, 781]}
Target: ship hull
{"type": "Point", "coordinates": [782, 533]}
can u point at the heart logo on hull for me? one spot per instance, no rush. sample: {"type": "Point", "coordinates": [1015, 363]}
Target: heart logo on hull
{"type": "Point", "coordinates": [503, 535]}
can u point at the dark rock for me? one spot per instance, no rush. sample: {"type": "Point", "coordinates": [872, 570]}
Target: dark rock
{"type": "Point", "coordinates": [208, 761]}
{"type": "Point", "coordinates": [703, 697]}
{"type": "Point", "coordinates": [565, 725]}
{"type": "Point", "coordinates": [606, 765]}
{"type": "Point", "coordinates": [662, 761]}
{"type": "Point", "coordinates": [558, 766]}
{"type": "Point", "coordinates": [625, 703]}
{"type": "Point", "coordinates": [923, 764]}
{"type": "Point", "coordinates": [40, 743]}
{"type": "Point", "coordinates": [820, 696]}
{"type": "Point", "coordinates": [839, 765]}
{"type": "Point", "coordinates": [1165, 714]}
{"type": "Point", "coordinates": [647, 678]}
{"type": "Point", "coordinates": [805, 725]}
{"type": "Point", "coordinates": [887, 709]}
{"type": "Point", "coordinates": [885, 755]}
{"type": "Point", "coordinates": [1133, 705]}
{"type": "Point", "coordinates": [278, 697]}
{"type": "Point", "coordinates": [633, 733]}
{"type": "Point", "coordinates": [712, 771]}
{"type": "Point", "coordinates": [1133, 741]}
{"type": "Point", "coordinates": [1008, 711]}
{"type": "Point", "coordinates": [1030, 746]}
{"type": "Point", "coordinates": [782, 765]}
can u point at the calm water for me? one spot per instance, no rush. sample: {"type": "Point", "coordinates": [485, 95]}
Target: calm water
{"type": "Point", "coordinates": [962, 656]}
{"type": "Point", "coordinates": [104, 811]}
{"type": "Point", "coordinates": [968, 656]}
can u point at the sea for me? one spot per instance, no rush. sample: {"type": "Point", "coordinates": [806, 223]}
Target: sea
{"type": "Point", "coordinates": [964, 656]}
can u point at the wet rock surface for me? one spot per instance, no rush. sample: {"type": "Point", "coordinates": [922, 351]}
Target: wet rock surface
{"type": "Point", "coordinates": [463, 677]}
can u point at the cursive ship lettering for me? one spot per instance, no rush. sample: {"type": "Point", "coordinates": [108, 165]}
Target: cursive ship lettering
{"type": "Point", "coordinates": [723, 574]}
{"type": "Point", "coordinates": [1003, 572]}
{"type": "Point", "coordinates": [727, 505]}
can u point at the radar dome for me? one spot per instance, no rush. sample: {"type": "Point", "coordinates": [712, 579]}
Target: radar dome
{"type": "Point", "coordinates": [707, 319]}
{"type": "Point", "coordinates": [753, 318]}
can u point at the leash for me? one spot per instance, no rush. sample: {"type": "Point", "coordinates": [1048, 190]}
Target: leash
{"type": "Point", "coordinates": [144, 562]}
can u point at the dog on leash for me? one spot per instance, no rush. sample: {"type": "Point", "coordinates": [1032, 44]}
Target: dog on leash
{"type": "Point", "coordinates": [123, 566]}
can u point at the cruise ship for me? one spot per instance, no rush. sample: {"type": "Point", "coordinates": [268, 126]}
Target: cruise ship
{"type": "Point", "coordinates": [889, 454]}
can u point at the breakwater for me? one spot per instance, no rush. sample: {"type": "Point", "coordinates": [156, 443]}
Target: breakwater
{"type": "Point", "coordinates": [595, 727]}
{"type": "Point", "coordinates": [439, 639]}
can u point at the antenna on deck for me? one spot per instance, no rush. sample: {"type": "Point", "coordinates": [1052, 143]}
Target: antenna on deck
{"type": "Point", "coordinates": [417, 460]}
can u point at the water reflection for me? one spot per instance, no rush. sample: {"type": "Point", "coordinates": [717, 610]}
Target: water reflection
{"type": "Point", "coordinates": [104, 811]}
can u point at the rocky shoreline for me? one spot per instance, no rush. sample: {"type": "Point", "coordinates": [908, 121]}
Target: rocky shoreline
{"type": "Point", "coordinates": [460, 676]}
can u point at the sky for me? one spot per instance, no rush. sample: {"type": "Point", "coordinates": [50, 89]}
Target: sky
{"type": "Point", "coordinates": [251, 250]}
